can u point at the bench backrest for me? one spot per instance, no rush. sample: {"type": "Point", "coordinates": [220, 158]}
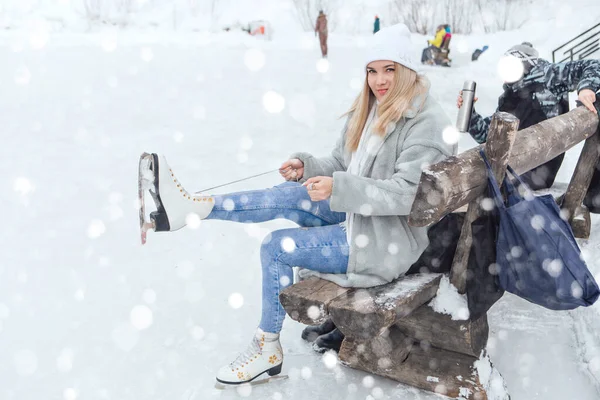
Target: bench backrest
{"type": "Point", "coordinates": [456, 181]}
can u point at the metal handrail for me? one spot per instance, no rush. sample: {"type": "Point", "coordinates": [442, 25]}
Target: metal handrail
{"type": "Point", "coordinates": [590, 45]}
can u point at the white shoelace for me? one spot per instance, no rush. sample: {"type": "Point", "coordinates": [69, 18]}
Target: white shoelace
{"type": "Point", "coordinates": [250, 352]}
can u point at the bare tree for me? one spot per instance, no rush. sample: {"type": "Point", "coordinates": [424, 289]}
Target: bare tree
{"type": "Point", "coordinates": [93, 9]}
{"type": "Point", "coordinates": [418, 15]}
{"type": "Point", "coordinates": [501, 15]}
{"type": "Point", "coordinates": [459, 14]}
{"type": "Point", "coordinates": [112, 12]}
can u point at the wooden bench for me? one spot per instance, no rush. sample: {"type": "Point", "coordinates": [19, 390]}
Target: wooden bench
{"type": "Point", "coordinates": [391, 330]}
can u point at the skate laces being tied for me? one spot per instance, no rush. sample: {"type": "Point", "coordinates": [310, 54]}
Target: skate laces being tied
{"type": "Point", "coordinates": [252, 350]}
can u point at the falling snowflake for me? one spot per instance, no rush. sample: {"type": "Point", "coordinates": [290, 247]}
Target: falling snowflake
{"type": "Point", "coordinates": [244, 390]}
{"type": "Point", "coordinates": [330, 359]}
{"type": "Point", "coordinates": [368, 381]}
{"type": "Point", "coordinates": [313, 312]}
{"type": "Point", "coordinates": [254, 59]}
{"type": "Point", "coordinates": [553, 267]}
{"type": "Point", "coordinates": [197, 333]}
{"type": "Point", "coordinates": [193, 221]}
{"type": "Point", "coordinates": [273, 102]}
{"type": "Point", "coordinates": [306, 205]}
{"type": "Point", "coordinates": [510, 69]}
{"type": "Point", "coordinates": [149, 296]}
{"type": "Point", "coordinates": [70, 394]}
{"type": "Point", "coordinates": [384, 362]}
{"type": "Point", "coordinates": [323, 65]}
{"type": "Point", "coordinates": [178, 137]}
{"type": "Point", "coordinates": [516, 251]}
{"type": "Point", "coordinates": [377, 393]}
{"type": "Point", "coordinates": [306, 373]}
{"type": "Point", "coordinates": [96, 229]}
{"type": "Point", "coordinates": [228, 204]}
{"type": "Point", "coordinates": [246, 143]}
{"type": "Point", "coordinates": [326, 251]}
{"type": "Point", "coordinates": [362, 240]}
{"type": "Point", "coordinates": [109, 41]}
{"type": "Point", "coordinates": [79, 295]}
{"type": "Point", "coordinates": [236, 300]}
{"type": "Point", "coordinates": [284, 280]}
{"type": "Point", "coordinates": [288, 244]}
{"type": "Point", "coordinates": [537, 222]}
{"type": "Point", "coordinates": [141, 317]}
{"type": "Point", "coordinates": [487, 204]}
{"type": "Point", "coordinates": [564, 214]}
{"type": "Point", "coordinates": [450, 135]}
{"type": "Point", "coordinates": [576, 290]}
{"type": "Point", "coordinates": [146, 54]}
{"type": "Point", "coordinates": [366, 209]}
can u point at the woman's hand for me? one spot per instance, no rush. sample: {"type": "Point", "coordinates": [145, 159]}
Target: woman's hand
{"type": "Point", "coordinates": [292, 170]}
{"type": "Point", "coordinates": [459, 100]}
{"type": "Point", "coordinates": [587, 97]}
{"type": "Point", "coordinates": [319, 188]}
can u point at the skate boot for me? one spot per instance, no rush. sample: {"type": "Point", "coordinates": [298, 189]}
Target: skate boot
{"type": "Point", "coordinates": [263, 355]}
{"type": "Point", "coordinates": [173, 203]}
{"type": "Point", "coordinates": [311, 333]}
{"type": "Point", "coordinates": [330, 341]}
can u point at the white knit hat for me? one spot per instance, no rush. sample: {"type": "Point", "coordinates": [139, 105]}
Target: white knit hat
{"type": "Point", "coordinates": [391, 43]}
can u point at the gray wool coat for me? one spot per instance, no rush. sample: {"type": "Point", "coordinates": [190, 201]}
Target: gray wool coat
{"type": "Point", "coordinates": [383, 246]}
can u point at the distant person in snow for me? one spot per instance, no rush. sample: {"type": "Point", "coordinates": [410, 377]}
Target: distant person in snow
{"type": "Point", "coordinates": [440, 34]}
{"type": "Point", "coordinates": [447, 37]}
{"type": "Point", "coordinates": [376, 25]}
{"type": "Point", "coordinates": [439, 47]}
{"type": "Point", "coordinates": [328, 197]}
{"type": "Point", "coordinates": [541, 93]}
{"type": "Point", "coordinates": [321, 30]}
{"type": "Point", "coordinates": [478, 52]}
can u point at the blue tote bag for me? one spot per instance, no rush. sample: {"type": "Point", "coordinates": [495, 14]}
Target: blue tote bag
{"type": "Point", "coordinates": [537, 256]}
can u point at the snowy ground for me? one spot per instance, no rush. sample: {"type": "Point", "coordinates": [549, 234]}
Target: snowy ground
{"type": "Point", "coordinates": [86, 312]}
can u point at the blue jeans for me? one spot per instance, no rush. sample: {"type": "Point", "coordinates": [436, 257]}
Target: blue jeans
{"type": "Point", "coordinates": [319, 243]}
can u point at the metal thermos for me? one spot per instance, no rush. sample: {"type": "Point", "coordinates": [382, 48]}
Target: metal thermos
{"type": "Point", "coordinates": [464, 113]}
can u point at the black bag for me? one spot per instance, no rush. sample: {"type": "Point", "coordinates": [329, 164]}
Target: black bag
{"type": "Point", "coordinates": [482, 288]}
{"type": "Point", "coordinates": [443, 238]}
{"type": "Point", "coordinates": [592, 197]}
{"type": "Point", "coordinates": [482, 283]}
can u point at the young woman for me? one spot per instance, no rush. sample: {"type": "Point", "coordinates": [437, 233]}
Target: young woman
{"type": "Point", "coordinates": [351, 207]}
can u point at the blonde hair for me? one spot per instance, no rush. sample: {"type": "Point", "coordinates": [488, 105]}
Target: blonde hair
{"type": "Point", "coordinates": [406, 88]}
